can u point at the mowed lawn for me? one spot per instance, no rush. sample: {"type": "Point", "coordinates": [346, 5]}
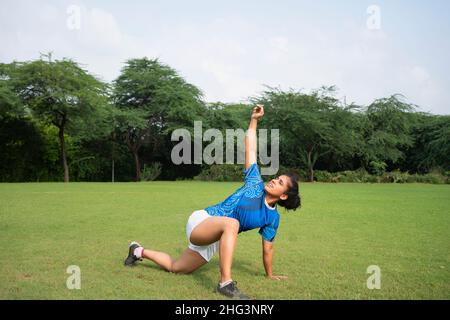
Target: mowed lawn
{"type": "Point", "coordinates": [325, 248]}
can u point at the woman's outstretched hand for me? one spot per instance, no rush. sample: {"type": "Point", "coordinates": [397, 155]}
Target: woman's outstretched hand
{"type": "Point", "coordinates": [273, 277]}
{"type": "Point", "coordinates": [258, 112]}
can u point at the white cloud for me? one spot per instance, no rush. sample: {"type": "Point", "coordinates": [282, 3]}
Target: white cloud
{"type": "Point", "coordinates": [102, 29]}
{"type": "Point", "coordinates": [280, 43]}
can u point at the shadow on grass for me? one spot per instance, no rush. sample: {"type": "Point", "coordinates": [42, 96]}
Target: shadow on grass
{"type": "Point", "coordinates": [203, 276]}
{"type": "Point", "coordinates": [240, 269]}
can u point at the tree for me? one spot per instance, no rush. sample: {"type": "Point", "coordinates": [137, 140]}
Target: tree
{"type": "Point", "coordinates": [21, 148]}
{"type": "Point", "coordinates": [386, 130]}
{"type": "Point", "coordinates": [431, 148]}
{"type": "Point", "coordinates": [437, 148]}
{"type": "Point", "coordinates": [152, 100]}
{"type": "Point", "coordinates": [311, 125]}
{"type": "Point", "coordinates": [60, 93]}
{"type": "Point", "coordinates": [227, 116]}
{"type": "Point", "coordinates": [10, 105]}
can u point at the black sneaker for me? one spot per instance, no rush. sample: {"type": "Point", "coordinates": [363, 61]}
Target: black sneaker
{"type": "Point", "coordinates": [131, 259]}
{"type": "Point", "coordinates": [231, 291]}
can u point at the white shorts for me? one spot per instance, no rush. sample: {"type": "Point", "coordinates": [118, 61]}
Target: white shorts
{"type": "Point", "coordinates": [207, 252]}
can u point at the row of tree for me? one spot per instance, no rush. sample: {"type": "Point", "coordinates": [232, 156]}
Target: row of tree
{"type": "Point", "coordinates": [58, 120]}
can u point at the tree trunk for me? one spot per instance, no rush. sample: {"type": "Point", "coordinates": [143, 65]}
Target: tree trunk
{"type": "Point", "coordinates": [134, 148]}
{"type": "Point", "coordinates": [113, 154]}
{"type": "Point", "coordinates": [310, 166]}
{"type": "Point", "coordinates": [112, 171]}
{"type": "Point", "coordinates": [63, 151]}
{"type": "Point", "coordinates": [138, 166]}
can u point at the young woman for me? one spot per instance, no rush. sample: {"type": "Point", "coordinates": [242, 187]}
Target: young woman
{"type": "Point", "coordinates": [216, 227]}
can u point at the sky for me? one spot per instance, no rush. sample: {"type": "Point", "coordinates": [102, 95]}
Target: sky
{"type": "Point", "coordinates": [231, 49]}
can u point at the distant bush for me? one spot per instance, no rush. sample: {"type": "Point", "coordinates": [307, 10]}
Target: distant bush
{"type": "Point", "coordinates": [222, 172]}
{"type": "Point", "coordinates": [433, 178]}
{"type": "Point", "coordinates": [405, 177]}
{"type": "Point", "coordinates": [323, 176]}
{"type": "Point", "coordinates": [395, 177]}
{"type": "Point", "coordinates": [377, 167]}
{"type": "Point", "coordinates": [229, 172]}
{"type": "Point", "coordinates": [235, 172]}
{"type": "Point", "coordinates": [360, 175]}
{"type": "Point", "coordinates": [302, 174]}
{"type": "Point", "coordinates": [150, 173]}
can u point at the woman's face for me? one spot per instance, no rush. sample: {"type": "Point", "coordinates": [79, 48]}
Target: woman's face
{"type": "Point", "coordinates": [278, 187]}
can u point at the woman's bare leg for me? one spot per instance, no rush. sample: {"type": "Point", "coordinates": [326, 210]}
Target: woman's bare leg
{"type": "Point", "coordinates": [188, 262]}
{"type": "Point", "coordinates": [213, 229]}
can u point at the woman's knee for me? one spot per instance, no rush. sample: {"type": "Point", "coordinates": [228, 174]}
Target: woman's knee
{"type": "Point", "coordinates": [175, 268]}
{"type": "Point", "coordinates": [187, 263]}
{"type": "Point", "coordinates": [179, 269]}
{"type": "Point", "coordinates": [232, 225]}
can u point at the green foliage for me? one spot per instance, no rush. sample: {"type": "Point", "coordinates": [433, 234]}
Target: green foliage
{"type": "Point", "coordinates": [433, 178]}
{"type": "Point", "coordinates": [360, 175]}
{"type": "Point", "coordinates": [223, 172]}
{"type": "Point", "coordinates": [134, 117]}
{"type": "Point", "coordinates": [165, 99]}
{"type": "Point", "coordinates": [302, 174]}
{"type": "Point", "coordinates": [323, 176]}
{"type": "Point", "coordinates": [62, 94]}
{"type": "Point", "coordinates": [151, 172]}
{"type": "Point", "coordinates": [151, 101]}
{"type": "Point", "coordinates": [233, 172]}
{"type": "Point", "coordinates": [396, 176]}
{"type": "Point", "coordinates": [226, 116]}
{"type": "Point", "coordinates": [22, 149]}
{"type": "Point", "coordinates": [312, 125]}
{"type": "Point", "coordinates": [377, 167]}
{"type": "Point", "coordinates": [10, 104]}
{"type": "Point", "coordinates": [60, 91]}
{"type": "Point", "coordinates": [386, 129]}
{"type": "Point", "coordinates": [51, 169]}
{"type": "Point", "coordinates": [432, 142]}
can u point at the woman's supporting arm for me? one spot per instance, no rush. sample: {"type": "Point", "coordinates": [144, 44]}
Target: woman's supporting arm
{"type": "Point", "coordinates": [267, 257]}
{"type": "Point", "coordinates": [267, 260]}
{"type": "Point", "coordinates": [250, 137]}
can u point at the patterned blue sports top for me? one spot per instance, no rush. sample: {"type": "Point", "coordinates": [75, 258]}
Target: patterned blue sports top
{"type": "Point", "coordinates": [248, 205]}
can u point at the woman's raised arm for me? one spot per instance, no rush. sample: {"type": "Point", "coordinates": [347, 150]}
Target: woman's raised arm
{"type": "Point", "coordinates": [250, 137]}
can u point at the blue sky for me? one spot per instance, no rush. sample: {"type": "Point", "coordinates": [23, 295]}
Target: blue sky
{"type": "Point", "coordinates": [231, 49]}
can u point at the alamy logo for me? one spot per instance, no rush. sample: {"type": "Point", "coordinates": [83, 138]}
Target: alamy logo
{"type": "Point", "coordinates": [213, 153]}
{"type": "Point", "coordinates": [374, 20]}
{"type": "Point", "coordinates": [74, 280]}
{"type": "Point", "coordinates": [374, 281]}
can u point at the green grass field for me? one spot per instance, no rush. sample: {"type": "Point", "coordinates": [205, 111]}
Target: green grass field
{"type": "Point", "coordinates": [325, 248]}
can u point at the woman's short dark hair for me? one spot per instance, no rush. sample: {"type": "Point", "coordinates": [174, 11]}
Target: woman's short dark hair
{"type": "Point", "coordinates": [293, 200]}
